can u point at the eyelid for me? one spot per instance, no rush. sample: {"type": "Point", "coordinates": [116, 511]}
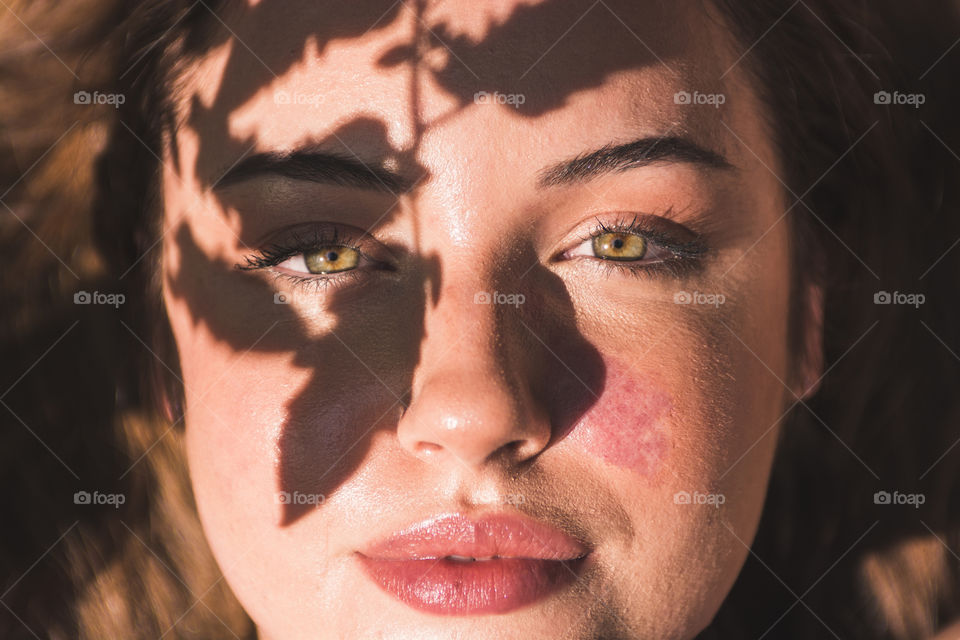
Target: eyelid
{"type": "Point", "coordinates": [658, 230]}
{"type": "Point", "coordinates": [310, 237]}
{"type": "Point", "coordinates": [292, 241]}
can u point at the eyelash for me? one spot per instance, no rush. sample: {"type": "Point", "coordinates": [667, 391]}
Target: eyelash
{"type": "Point", "coordinates": [685, 257]}
{"type": "Point", "coordinates": [279, 252]}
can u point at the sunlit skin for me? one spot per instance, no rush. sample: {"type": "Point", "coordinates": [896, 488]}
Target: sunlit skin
{"type": "Point", "coordinates": [392, 394]}
{"type": "Point", "coordinates": [639, 410]}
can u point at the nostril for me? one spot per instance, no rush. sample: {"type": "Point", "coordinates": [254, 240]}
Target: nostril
{"type": "Point", "coordinates": [472, 414]}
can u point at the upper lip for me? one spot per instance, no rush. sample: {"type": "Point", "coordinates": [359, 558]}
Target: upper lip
{"type": "Point", "coordinates": [499, 535]}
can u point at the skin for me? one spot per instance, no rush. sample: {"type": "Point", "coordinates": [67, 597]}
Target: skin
{"type": "Point", "coordinates": [393, 397]}
{"type": "Point", "coordinates": [640, 411]}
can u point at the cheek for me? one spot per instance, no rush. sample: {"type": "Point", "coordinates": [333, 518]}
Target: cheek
{"type": "Point", "coordinates": [626, 425]}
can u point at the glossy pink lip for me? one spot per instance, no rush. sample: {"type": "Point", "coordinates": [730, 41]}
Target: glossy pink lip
{"type": "Point", "coordinates": [516, 561]}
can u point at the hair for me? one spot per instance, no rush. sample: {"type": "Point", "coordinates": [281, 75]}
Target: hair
{"type": "Point", "coordinates": [877, 213]}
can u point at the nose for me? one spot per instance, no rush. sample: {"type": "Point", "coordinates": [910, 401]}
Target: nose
{"type": "Point", "coordinates": [471, 398]}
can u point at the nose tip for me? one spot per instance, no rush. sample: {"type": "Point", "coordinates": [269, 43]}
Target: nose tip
{"type": "Point", "coordinates": [474, 418]}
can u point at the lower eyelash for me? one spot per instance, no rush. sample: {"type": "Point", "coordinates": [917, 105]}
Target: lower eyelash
{"type": "Point", "coordinates": [676, 267]}
{"type": "Point", "coordinates": [318, 281]}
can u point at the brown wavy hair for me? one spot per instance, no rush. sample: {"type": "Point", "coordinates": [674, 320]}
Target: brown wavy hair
{"type": "Point", "coordinates": [92, 399]}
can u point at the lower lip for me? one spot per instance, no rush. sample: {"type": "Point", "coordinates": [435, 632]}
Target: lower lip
{"type": "Point", "coordinates": [449, 587]}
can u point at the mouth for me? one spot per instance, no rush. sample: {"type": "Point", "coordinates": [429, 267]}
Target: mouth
{"type": "Point", "coordinates": [455, 565]}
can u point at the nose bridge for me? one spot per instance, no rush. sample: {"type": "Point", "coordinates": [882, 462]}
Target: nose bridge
{"type": "Point", "coordinates": [463, 321]}
{"type": "Point", "coordinates": [471, 398]}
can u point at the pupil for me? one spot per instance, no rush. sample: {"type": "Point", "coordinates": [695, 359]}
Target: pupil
{"type": "Point", "coordinates": [332, 256]}
{"type": "Point", "coordinates": [618, 243]}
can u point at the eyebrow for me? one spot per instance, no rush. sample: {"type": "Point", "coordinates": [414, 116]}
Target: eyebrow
{"type": "Point", "coordinates": [639, 153]}
{"type": "Point", "coordinates": [316, 165]}
{"type": "Point", "coordinates": [327, 167]}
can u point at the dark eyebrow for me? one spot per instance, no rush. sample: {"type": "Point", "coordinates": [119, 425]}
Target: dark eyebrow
{"type": "Point", "coordinates": [639, 153]}
{"type": "Point", "coordinates": [315, 165]}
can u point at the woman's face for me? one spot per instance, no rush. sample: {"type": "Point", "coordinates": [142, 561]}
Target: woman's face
{"type": "Point", "coordinates": [542, 327]}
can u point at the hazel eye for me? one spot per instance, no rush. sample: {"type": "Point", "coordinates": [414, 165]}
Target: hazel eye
{"type": "Point", "coordinates": [328, 259]}
{"type": "Point", "coordinates": [619, 246]}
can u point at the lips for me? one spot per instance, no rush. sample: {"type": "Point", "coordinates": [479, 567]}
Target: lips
{"type": "Point", "coordinates": [455, 565]}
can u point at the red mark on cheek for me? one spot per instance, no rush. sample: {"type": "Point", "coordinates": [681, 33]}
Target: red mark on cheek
{"type": "Point", "coordinates": [626, 425]}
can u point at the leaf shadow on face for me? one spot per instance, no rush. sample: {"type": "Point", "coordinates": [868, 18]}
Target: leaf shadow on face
{"type": "Point", "coordinates": [333, 419]}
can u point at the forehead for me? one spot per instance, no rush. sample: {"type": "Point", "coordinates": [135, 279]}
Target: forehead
{"type": "Point", "coordinates": [383, 80]}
